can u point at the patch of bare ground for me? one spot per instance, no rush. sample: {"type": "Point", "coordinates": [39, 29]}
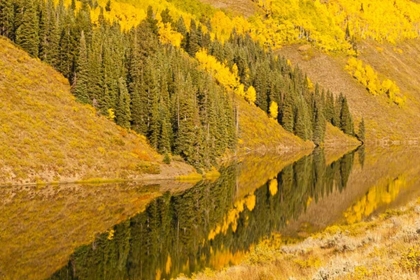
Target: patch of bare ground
{"type": "Point", "coordinates": [240, 7]}
{"type": "Point", "coordinates": [386, 123]}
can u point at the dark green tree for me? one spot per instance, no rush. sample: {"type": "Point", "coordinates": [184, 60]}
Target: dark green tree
{"type": "Point", "coordinates": [361, 132]}
{"type": "Point", "coordinates": [123, 113]}
{"type": "Point", "coordinates": [6, 18]}
{"type": "Point", "coordinates": [346, 122]}
{"type": "Point", "coordinates": [27, 35]}
{"type": "Point", "coordinates": [81, 77]}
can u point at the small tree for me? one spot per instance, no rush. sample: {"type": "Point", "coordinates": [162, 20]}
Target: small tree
{"type": "Point", "coordinates": [274, 110]}
{"type": "Point", "coordinates": [251, 95]}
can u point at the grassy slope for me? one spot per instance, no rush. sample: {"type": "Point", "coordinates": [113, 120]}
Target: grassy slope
{"type": "Point", "coordinates": [45, 135]}
{"type": "Point", "coordinates": [48, 136]}
{"type": "Point", "coordinates": [257, 132]}
{"type": "Point", "coordinates": [385, 122]}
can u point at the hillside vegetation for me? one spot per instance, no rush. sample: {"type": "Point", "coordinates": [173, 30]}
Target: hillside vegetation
{"type": "Point", "coordinates": [47, 136]}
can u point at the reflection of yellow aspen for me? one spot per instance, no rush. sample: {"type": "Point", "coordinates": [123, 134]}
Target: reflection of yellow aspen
{"type": "Point", "coordinates": [308, 202]}
{"type": "Point", "coordinates": [111, 234]}
{"type": "Point", "coordinates": [158, 274]}
{"type": "Point", "coordinates": [168, 264]}
{"type": "Point", "coordinates": [273, 187]}
{"type": "Point", "coordinates": [375, 197]}
{"type": "Point", "coordinates": [250, 202]}
{"type": "Point", "coordinates": [239, 205]}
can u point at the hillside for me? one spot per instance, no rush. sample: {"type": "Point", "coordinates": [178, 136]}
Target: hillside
{"type": "Point", "coordinates": [385, 122]}
{"type": "Point", "coordinates": [321, 36]}
{"type": "Point", "coordinates": [46, 136]}
{"type": "Point", "coordinates": [50, 137]}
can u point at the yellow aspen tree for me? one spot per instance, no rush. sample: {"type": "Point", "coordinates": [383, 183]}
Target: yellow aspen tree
{"type": "Point", "coordinates": [251, 95]}
{"type": "Point", "coordinates": [274, 110]}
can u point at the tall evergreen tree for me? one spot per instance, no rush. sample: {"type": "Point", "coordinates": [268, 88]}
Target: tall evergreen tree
{"type": "Point", "coordinates": [81, 77]}
{"type": "Point", "coordinates": [6, 18]}
{"type": "Point", "coordinates": [123, 113]}
{"type": "Point", "coordinates": [27, 33]}
{"type": "Point", "coordinates": [346, 122]}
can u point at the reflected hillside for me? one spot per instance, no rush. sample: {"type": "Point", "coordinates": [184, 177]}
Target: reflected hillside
{"type": "Point", "coordinates": [381, 179]}
{"type": "Point", "coordinates": [41, 226]}
{"type": "Point", "coordinates": [207, 225]}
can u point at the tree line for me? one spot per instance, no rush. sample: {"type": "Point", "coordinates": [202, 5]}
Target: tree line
{"type": "Point", "coordinates": [157, 89]}
{"type": "Point", "coordinates": [131, 77]}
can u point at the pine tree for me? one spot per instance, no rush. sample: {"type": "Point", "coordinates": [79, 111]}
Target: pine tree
{"type": "Point", "coordinates": [123, 113]}
{"type": "Point", "coordinates": [287, 119]}
{"type": "Point", "coordinates": [108, 6]}
{"type": "Point", "coordinates": [319, 124]}
{"type": "Point", "coordinates": [6, 18]}
{"type": "Point", "coordinates": [192, 40]}
{"type": "Point", "coordinates": [166, 17]}
{"type": "Point", "coordinates": [346, 123]}
{"type": "Point", "coordinates": [27, 33]}
{"type": "Point", "coordinates": [81, 77]}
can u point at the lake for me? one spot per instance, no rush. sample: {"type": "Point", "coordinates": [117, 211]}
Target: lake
{"type": "Point", "coordinates": [160, 230]}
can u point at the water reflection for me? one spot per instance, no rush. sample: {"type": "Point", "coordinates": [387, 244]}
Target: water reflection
{"type": "Point", "coordinates": [207, 225]}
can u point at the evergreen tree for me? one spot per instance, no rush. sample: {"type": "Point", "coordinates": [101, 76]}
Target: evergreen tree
{"type": "Point", "coordinates": [123, 113]}
{"type": "Point", "coordinates": [319, 124]}
{"type": "Point", "coordinates": [287, 114]}
{"type": "Point", "coordinates": [27, 33]}
{"type": "Point", "coordinates": [166, 17]}
{"type": "Point", "coordinates": [346, 123]}
{"type": "Point", "coordinates": [81, 77]}
{"type": "Point", "coordinates": [6, 18]}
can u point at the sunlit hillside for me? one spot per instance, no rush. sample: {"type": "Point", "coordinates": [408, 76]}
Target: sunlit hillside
{"type": "Point", "coordinates": [48, 136]}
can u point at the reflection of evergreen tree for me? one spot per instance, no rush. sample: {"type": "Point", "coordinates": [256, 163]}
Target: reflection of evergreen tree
{"type": "Point", "coordinates": [177, 227]}
{"type": "Point", "coordinates": [361, 154]}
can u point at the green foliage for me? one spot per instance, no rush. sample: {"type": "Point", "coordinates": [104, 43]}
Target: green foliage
{"type": "Point", "coordinates": [167, 158]}
{"type": "Point", "coordinates": [27, 32]}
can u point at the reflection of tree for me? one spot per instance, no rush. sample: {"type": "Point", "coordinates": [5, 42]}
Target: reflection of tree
{"type": "Point", "coordinates": [172, 235]}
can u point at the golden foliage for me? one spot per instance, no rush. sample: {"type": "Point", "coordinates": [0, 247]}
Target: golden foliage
{"type": "Point", "coordinates": [368, 77]}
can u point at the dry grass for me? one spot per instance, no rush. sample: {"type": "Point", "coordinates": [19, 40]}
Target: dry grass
{"type": "Point", "coordinates": [240, 7]}
{"type": "Point", "coordinates": [46, 136]}
{"type": "Point", "coordinates": [260, 134]}
{"type": "Point", "coordinates": [334, 137]}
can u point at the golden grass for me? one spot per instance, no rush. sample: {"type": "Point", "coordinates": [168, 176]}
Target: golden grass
{"type": "Point", "coordinates": [259, 133]}
{"type": "Point", "coordinates": [386, 123]}
{"type": "Point", "coordinates": [46, 136]}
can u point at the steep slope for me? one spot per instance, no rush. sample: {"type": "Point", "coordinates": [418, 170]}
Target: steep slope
{"type": "Point", "coordinates": [258, 132]}
{"type": "Point", "coordinates": [47, 136]}
{"type": "Point", "coordinates": [385, 122]}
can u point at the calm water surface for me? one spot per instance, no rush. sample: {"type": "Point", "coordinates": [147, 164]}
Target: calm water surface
{"type": "Point", "coordinates": [145, 232]}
